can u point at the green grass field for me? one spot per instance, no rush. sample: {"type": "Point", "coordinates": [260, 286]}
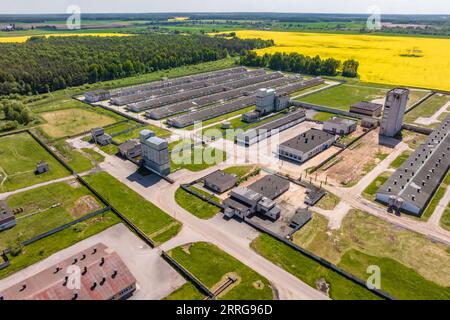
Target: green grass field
{"type": "Point", "coordinates": [308, 270]}
{"type": "Point", "coordinates": [59, 241]}
{"type": "Point", "coordinates": [445, 219]}
{"type": "Point", "coordinates": [438, 195]}
{"type": "Point", "coordinates": [398, 280]}
{"type": "Point", "coordinates": [186, 292]}
{"type": "Point", "coordinates": [19, 155]}
{"type": "Point", "coordinates": [371, 189]}
{"type": "Point", "coordinates": [194, 158]}
{"type": "Point", "coordinates": [397, 163]}
{"type": "Point", "coordinates": [195, 205]}
{"type": "Point", "coordinates": [46, 208]}
{"type": "Point", "coordinates": [239, 171]}
{"type": "Point", "coordinates": [427, 108]}
{"type": "Point", "coordinates": [146, 216]}
{"type": "Point", "coordinates": [211, 266]}
{"type": "Point", "coordinates": [425, 259]}
{"type": "Point", "coordinates": [134, 134]}
{"type": "Point", "coordinates": [76, 160]}
{"type": "Point", "coordinates": [323, 116]}
{"type": "Point", "coordinates": [328, 202]}
{"type": "Point", "coordinates": [343, 96]}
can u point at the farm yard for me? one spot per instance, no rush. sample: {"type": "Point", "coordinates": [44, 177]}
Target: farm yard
{"type": "Point", "coordinates": [18, 158]}
{"type": "Point", "coordinates": [396, 60]}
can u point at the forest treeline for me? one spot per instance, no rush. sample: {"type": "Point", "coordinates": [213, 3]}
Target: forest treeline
{"type": "Point", "coordinates": [47, 64]}
{"type": "Point", "coordinates": [295, 62]}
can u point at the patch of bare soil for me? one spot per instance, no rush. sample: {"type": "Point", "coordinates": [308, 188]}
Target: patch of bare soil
{"type": "Point", "coordinates": [84, 205]}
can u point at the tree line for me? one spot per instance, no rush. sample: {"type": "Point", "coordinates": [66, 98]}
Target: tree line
{"type": "Point", "coordinates": [14, 115]}
{"type": "Point", "coordinates": [47, 64]}
{"type": "Point", "coordinates": [295, 62]}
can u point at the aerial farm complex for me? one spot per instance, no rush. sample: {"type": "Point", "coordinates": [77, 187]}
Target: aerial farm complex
{"type": "Point", "coordinates": [281, 185]}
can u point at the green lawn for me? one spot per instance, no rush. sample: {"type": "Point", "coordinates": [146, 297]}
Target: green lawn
{"type": "Point", "coordinates": [75, 159]}
{"type": "Point", "coordinates": [438, 195]}
{"type": "Point", "coordinates": [46, 208]}
{"type": "Point", "coordinates": [195, 158]}
{"type": "Point", "coordinates": [323, 116]}
{"type": "Point", "coordinates": [397, 163]}
{"type": "Point", "coordinates": [239, 171]}
{"type": "Point", "coordinates": [93, 155]}
{"type": "Point", "coordinates": [343, 96]}
{"type": "Point", "coordinates": [400, 281]}
{"type": "Point", "coordinates": [121, 126]}
{"type": "Point", "coordinates": [378, 239]}
{"type": "Point", "coordinates": [328, 202]}
{"type": "Point", "coordinates": [59, 241]}
{"type": "Point", "coordinates": [223, 117]}
{"type": "Point", "coordinates": [195, 205]}
{"type": "Point", "coordinates": [445, 219]}
{"type": "Point", "coordinates": [211, 265]}
{"type": "Point", "coordinates": [372, 188]}
{"type": "Point", "coordinates": [146, 216]}
{"type": "Point", "coordinates": [186, 292]}
{"type": "Point", "coordinates": [19, 155]}
{"type": "Point", "coordinates": [308, 270]}
{"type": "Point", "coordinates": [427, 108]}
{"type": "Point", "coordinates": [133, 134]}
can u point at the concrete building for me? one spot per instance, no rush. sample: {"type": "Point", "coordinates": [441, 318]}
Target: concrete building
{"type": "Point", "coordinates": [102, 276]}
{"type": "Point", "coordinates": [339, 126]}
{"type": "Point", "coordinates": [282, 101]}
{"type": "Point", "coordinates": [270, 186]}
{"type": "Point", "coordinates": [266, 130]}
{"type": "Point", "coordinates": [411, 187]}
{"type": "Point", "coordinates": [257, 198]}
{"type": "Point", "coordinates": [313, 194]}
{"type": "Point", "coordinates": [251, 116]}
{"type": "Point", "coordinates": [7, 218]}
{"type": "Point", "coordinates": [220, 181]}
{"type": "Point", "coordinates": [130, 149]}
{"type": "Point", "coordinates": [265, 101]}
{"type": "Point", "coordinates": [300, 218]}
{"type": "Point", "coordinates": [97, 95]}
{"type": "Point", "coordinates": [369, 123]}
{"type": "Point", "coordinates": [155, 152]}
{"type": "Point", "coordinates": [367, 108]}
{"type": "Point", "coordinates": [306, 145]}
{"type": "Point", "coordinates": [99, 136]}
{"type": "Point", "coordinates": [394, 111]}
{"type": "Point", "coordinates": [42, 167]}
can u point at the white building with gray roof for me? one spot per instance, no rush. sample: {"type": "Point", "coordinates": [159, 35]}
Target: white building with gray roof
{"type": "Point", "coordinates": [306, 145]}
{"type": "Point", "coordinates": [155, 152]}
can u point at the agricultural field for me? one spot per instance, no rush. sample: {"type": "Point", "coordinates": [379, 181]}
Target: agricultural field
{"type": "Point", "coordinates": [68, 122]}
{"type": "Point", "coordinates": [151, 220]}
{"type": "Point", "coordinates": [396, 60]}
{"type": "Point", "coordinates": [46, 208]}
{"type": "Point", "coordinates": [20, 39]}
{"type": "Point", "coordinates": [18, 158]}
{"type": "Point", "coordinates": [413, 266]}
{"type": "Point", "coordinates": [211, 266]}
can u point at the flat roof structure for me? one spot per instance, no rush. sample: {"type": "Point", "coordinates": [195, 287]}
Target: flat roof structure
{"type": "Point", "coordinates": [220, 181]}
{"type": "Point", "coordinates": [411, 187]}
{"type": "Point", "coordinates": [367, 108]}
{"type": "Point", "coordinates": [102, 276]}
{"type": "Point", "coordinates": [270, 186]}
{"type": "Point", "coordinates": [6, 214]}
{"type": "Point", "coordinates": [300, 218]}
{"type": "Point", "coordinates": [308, 140]}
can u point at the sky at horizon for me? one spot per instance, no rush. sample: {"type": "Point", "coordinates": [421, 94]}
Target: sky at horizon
{"type": "Point", "coordinates": [294, 6]}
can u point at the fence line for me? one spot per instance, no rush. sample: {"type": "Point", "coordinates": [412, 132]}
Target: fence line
{"type": "Point", "coordinates": [420, 101]}
{"type": "Point", "coordinates": [187, 275]}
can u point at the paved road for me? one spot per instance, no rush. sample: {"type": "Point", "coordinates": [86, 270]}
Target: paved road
{"type": "Point", "coordinates": [162, 194]}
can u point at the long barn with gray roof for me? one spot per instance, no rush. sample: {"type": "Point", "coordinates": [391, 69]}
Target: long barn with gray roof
{"type": "Point", "coordinates": [412, 186]}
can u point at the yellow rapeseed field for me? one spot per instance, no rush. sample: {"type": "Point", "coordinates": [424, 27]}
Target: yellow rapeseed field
{"type": "Point", "coordinates": [25, 38]}
{"type": "Point", "coordinates": [409, 61]}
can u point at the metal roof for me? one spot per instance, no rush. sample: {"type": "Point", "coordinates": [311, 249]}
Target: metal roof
{"type": "Point", "coordinates": [270, 186]}
{"type": "Point", "coordinates": [369, 106]}
{"type": "Point", "coordinates": [221, 179]}
{"type": "Point", "coordinates": [308, 140]}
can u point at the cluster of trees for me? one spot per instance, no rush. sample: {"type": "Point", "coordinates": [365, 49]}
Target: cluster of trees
{"type": "Point", "coordinates": [295, 62]}
{"type": "Point", "coordinates": [47, 64]}
{"type": "Point", "coordinates": [14, 114]}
